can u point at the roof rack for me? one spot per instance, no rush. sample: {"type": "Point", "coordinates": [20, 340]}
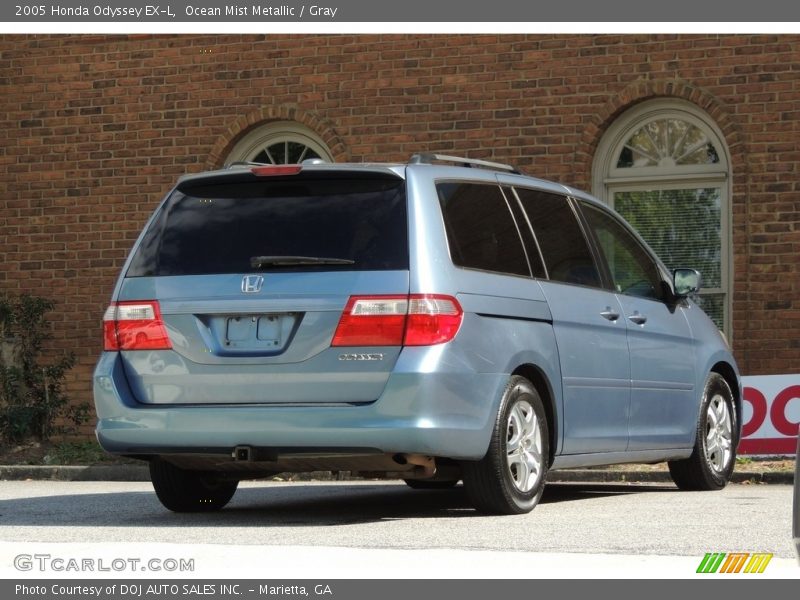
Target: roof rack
{"type": "Point", "coordinates": [250, 163]}
{"type": "Point", "coordinates": [426, 158]}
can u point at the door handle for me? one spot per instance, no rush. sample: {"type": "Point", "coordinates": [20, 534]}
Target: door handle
{"type": "Point", "coordinates": [609, 314]}
{"type": "Point", "coordinates": [637, 318]}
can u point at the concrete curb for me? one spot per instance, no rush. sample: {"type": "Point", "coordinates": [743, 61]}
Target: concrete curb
{"type": "Point", "coordinates": [74, 473]}
{"type": "Point", "coordinates": [141, 473]}
{"type": "Point", "coordinates": [611, 476]}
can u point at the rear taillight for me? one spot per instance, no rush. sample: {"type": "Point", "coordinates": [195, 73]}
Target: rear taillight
{"type": "Point", "coordinates": [432, 320]}
{"type": "Point", "coordinates": [372, 321]}
{"type": "Point", "coordinates": [135, 325]}
{"type": "Point", "coordinates": [414, 320]}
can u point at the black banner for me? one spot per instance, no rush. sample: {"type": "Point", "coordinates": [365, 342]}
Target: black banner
{"type": "Point", "coordinates": [409, 11]}
{"type": "Point", "coordinates": [398, 589]}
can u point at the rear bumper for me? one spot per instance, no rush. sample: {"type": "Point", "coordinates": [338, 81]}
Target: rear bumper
{"type": "Point", "coordinates": [447, 413]}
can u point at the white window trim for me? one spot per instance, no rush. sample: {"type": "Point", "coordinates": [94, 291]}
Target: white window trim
{"type": "Point", "coordinates": [252, 143]}
{"type": "Point", "coordinates": [608, 179]}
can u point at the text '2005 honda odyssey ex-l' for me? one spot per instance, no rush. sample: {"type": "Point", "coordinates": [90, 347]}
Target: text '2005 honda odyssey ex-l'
{"type": "Point", "coordinates": [436, 321]}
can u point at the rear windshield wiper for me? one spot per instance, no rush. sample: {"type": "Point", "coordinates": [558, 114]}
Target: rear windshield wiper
{"type": "Point", "coordinates": [288, 261]}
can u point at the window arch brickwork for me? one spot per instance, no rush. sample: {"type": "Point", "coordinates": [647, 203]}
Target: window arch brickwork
{"type": "Point", "coordinates": [324, 130]}
{"type": "Point", "coordinates": [277, 143]}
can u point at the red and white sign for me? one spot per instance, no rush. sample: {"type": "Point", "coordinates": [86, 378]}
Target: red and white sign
{"type": "Point", "coordinates": [771, 414]}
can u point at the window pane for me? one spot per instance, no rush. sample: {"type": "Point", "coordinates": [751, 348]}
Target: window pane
{"type": "Point", "coordinates": [262, 157]}
{"type": "Point", "coordinates": [714, 306]}
{"type": "Point", "coordinates": [644, 151]}
{"type": "Point", "coordinates": [676, 133]}
{"type": "Point", "coordinates": [667, 143]}
{"type": "Point", "coordinates": [702, 155]}
{"type": "Point", "coordinates": [278, 153]}
{"type": "Point", "coordinates": [634, 272]}
{"type": "Point", "coordinates": [481, 232]}
{"type": "Point", "coordinates": [564, 249]}
{"type": "Point", "coordinates": [682, 226]}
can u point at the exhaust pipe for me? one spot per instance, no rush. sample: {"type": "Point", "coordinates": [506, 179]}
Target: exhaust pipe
{"type": "Point", "coordinates": [427, 463]}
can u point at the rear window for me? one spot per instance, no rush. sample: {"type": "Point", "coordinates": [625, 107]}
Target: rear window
{"type": "Point", "coordinates": [206, 229]}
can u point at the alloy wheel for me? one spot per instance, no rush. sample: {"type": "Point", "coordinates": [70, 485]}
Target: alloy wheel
{"type": "Point", "coordinates": [719, 434]}
{"type": "Point", "coordinates": [524, 447]}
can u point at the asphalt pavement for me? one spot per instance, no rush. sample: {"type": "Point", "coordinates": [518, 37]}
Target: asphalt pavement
{"type": "Point", "coordinates": [378, 528]}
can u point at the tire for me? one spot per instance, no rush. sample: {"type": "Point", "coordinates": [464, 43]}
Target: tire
{"type": "Point", "coordinates": [422, 484]}
{"type": "Point", "coordinates": [498, 483]}
{"type": "Point", "coordinates": [180, 490]}
{"type": "Point", "coordinates": [714, 455]}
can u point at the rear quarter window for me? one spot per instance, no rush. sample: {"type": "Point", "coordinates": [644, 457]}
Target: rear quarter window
{"type": "Point", "coordinates": [481, 231]}
{"type": "Point", "coordinates": [219, 228]}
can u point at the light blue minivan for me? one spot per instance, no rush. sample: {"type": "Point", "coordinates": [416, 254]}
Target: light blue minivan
{"type": "Point", "coordinates": [438, 321]}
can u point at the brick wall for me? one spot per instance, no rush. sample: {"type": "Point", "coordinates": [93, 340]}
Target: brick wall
{"type": "Point", "coordinates": [97, 128]}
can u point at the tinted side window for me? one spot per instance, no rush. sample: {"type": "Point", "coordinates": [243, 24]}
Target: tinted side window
{"type": "Point", "coordinates": [632, 269]}
{"type": "Point", "coordinates": [481, 232]}
{"type": "Point", "coordinates": [531, 249]}
{"type": "Point", "coordinates": [564, 249]}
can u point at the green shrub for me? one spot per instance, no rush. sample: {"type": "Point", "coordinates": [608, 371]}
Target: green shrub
{"type": "Point", "coordinates": [32, 401]}
{"type": "Point", "coordinates": [77, 453]}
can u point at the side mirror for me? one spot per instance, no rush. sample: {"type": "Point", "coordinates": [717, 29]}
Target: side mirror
{"type": "Point", "coordinates": [685, 282]}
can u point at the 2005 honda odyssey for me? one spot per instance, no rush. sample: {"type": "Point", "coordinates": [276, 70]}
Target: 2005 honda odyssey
{"type": "Point", "coordinates": [442, 320]}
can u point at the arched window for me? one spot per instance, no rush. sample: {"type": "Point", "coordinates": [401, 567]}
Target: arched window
{"type": "Point", "coordinates": [279, 143]}
{"type": "Point", "coordinates": [663, 165]}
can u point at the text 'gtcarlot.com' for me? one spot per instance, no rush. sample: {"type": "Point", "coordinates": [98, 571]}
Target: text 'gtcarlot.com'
{"type": "Point", "coordinates": [47, 562]}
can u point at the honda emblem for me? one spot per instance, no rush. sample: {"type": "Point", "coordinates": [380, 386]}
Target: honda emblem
{"type": "Point", "coordinates": [251, 284]}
